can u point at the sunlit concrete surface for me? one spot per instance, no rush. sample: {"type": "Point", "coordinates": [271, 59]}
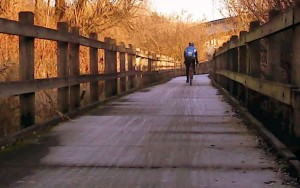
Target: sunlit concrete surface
{"type": "Point", "coordinates": [167, 136]}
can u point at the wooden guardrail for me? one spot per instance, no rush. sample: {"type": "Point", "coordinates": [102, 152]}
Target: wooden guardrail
{"type": "Point", "coordinates": [260, 68]}
{"type": "Point", "coordinates": [152, 67]}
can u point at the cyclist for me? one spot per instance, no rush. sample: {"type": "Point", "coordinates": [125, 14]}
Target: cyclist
{"type": "Point", "coordinates": [190, 58]}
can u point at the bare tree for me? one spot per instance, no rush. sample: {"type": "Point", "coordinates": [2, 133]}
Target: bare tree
{"type": "Point", "coordinates": [166, 35]}
{"type": "Point", "coordinates": [246, 11]}
{"type": "Point", "coordinates": [60, 9]}
{"type": "Point", "coordinates": [100, 15]}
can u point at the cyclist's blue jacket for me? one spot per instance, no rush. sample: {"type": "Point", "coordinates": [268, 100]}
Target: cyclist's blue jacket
{"type": "Point", "coordinates": [190, 51]}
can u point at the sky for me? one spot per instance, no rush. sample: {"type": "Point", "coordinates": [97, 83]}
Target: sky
{"type": "Point", "coordinates": [199, 9]}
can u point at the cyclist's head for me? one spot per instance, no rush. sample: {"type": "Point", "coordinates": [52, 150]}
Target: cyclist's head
{"type": "Point", "coordinates": [191, 44]}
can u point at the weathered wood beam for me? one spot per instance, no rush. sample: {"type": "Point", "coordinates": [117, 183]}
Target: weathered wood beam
{"type": "Point", "coordinates": [15, 88]}
{"type": "Point", "coordinates": [21, 29]}
{"type": "Point", "coordinates": [280, 92]}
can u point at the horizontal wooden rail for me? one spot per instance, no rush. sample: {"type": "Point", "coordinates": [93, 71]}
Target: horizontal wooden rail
{"type": "Point", "coordinates": [278, 91]}
{"type": "Point", "coordinates": [29, 86]}
{"type": "Point", "coordinates": [16, 28]}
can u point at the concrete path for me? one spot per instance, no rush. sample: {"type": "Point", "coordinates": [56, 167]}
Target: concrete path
{"type": "Point", "coordinates": [167, 136]}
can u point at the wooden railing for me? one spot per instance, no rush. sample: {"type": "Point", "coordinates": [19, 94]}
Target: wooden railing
{"type": "Point", "coordinates": [261, 69]}
{"type": "Point", "coordinates": [151, 68]}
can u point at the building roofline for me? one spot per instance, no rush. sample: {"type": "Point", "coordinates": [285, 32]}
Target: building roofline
{"type": "Point", "coordinates": [218, 20]}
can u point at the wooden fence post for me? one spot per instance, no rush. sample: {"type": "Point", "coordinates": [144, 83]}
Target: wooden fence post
{"type": "Point", "coordinates": [111, 86]}
{"type": "Point", "coordinates": [295, 76]}
{"type": "Point", "coordinates": [122, 69]}
{"type": "Point", "coordinates": [62, 69]}
{"type": "Point", "coordinates": [131, 63]}
{"type": "Point", "coordinates": [242, 68]}
{"type": "Point", "coordinates": [233, 66]}
{"type": "Point", "coordinates": [253, 66]}
{"type": "Point", "coordinates": [218, 67]}
{"type": "Point", "coordinates": [242, 61]}
{"type": "Point", "coordinates": [147, 78]}
{"type": "Point", "coordinates": [74, 71]}
{"type": "Point", "coordinates": [137, 65]}
{"type": "Point", "coordinates": [26, 72]}
{"type": "Point", "coordinates": [154, 62]}
{"type": "Point", "coordinates": [274, 53]}
{"type": "Point", "coordinates": [150, 60]}
{"type": "Point", "coordinates": [225, 66]}
{"type": "Point", "coordinates": [155, 66]}
{"type": "Point", "coordinates": [295, 67]}
{"type": "Point", "coordinates": [254, 50]}
{"type": "Point", "coordinates": [94, 86]}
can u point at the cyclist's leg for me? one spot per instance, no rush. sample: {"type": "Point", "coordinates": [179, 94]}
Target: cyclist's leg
{"type": "Point", "coordinates": [194, 66]}
{"type": "Point", "coordinates": [187, 66]}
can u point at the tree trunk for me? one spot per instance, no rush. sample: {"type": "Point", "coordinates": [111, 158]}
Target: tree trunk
{"type": "Point", "coordinates": [80, 6]}
{"type": "Point", "coordinates": [60, 8]}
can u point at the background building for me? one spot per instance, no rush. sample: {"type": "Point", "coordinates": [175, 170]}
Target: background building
{"type": "Point", "coordinates": [217, 32]}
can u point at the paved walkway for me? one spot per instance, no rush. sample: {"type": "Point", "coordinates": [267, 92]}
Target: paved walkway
{"type": "Point", "coordinates": [167, 136]}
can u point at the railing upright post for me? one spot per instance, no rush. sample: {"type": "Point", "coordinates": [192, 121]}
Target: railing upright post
{"type": "Point", "coordinates": [254, 50]}
{"type": "Point", "coordinates": [295, 76]}
{"type": "Point", "coordinates": [154, 63]}
{"type": "Point", "coordinates": [214, 66]}
{"type": "Point", "coordinates": [26, 61]}
{"type": "Point", "coordinates": [148, 77]}
{"type": "Point", "coordinates": [174, 66]}
{"type": "Point", "coordinates": [242, 60]}
{"type": "Point", "coordinates": [137, 65]}
{"type": "Point", "coordinates": [273, 63]}
{"type": "Point", "coordinates": [295, 67]}
{"type": "Point", "coordinates": [74, 71]}
{"type": "Point", "coordinates": [225, 65]}
{"type": "Point", "coordinates": [130, 57]}
{"type": "Point", "coordinates": [218, 67]}
{"type": "Point", "coordinates": [159, 66]}
{"type": "Point", "coordinates": [242, 67]}
{"type": "Point", "coordinates": [234, 56]}
{"type": "Point", "coordinates": [253, 66]}
{"type": "Point", "coordinates": [62, 69]}
{"type": "Point", "coordinates": [122, 69]}
{"type": "Point", "coordinates": [94, 86]}
{"type": "Point", "coordinates": [158, 63]}
{"type": "Point", "coordinates": [233, 66]}
{"type": "Point", "coordinates": [111, 86]}
{"type": "Point", "coordinates": [131, 63]}
{"type": "Point", "coordinates": [150, 60]}
{"type": "Point", "coordinates": [221, 63]}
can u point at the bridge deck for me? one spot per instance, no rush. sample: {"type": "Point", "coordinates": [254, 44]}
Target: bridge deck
{"type": "Point", "coordinates": [170, 135]}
